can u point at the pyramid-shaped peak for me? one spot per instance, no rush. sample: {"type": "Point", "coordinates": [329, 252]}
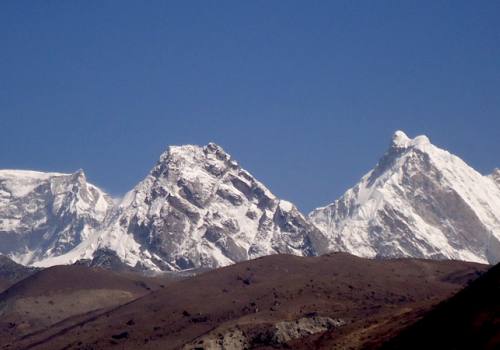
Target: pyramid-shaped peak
{"type": "Point", "coordinates": [419, 201]}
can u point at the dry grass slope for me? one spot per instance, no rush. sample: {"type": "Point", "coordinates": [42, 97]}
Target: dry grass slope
{"type": "Point", "coordinates": [333, 301]}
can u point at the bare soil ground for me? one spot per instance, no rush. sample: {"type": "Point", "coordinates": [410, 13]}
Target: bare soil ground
{"type": "Point", "coordinates": [281, 301]}
{"type": "Point", "coordinates": [58, 293]}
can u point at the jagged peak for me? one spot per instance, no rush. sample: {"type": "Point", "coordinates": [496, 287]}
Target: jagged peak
{"type": "Point", "coordinates": [401, 145]}
{"type": "Point", "coordinates": [183, 148]}
{"type": "Point", "coordinates": [218, 151]}
{"type": "Point", "coordinates": [79, 176]}
{"type": "Point", "coordinates": [179, 151]}
{"type": "Point", "coordinates": [213, 147]}
{"type": "Point", "coordinates": [173, 150]}
{"type": "Point", "coordinates": [401, 140]}
{"type": "Point", "coordinates": [192, 153]}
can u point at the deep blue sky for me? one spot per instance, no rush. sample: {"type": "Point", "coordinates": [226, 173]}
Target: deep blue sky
{"type": "Point", "coordinates": [305, 95]}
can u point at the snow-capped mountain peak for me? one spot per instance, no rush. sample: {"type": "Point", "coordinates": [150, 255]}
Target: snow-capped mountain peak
{"type": "Point", "coordinates": [47, 214]}
{"type": "Point", "coordinates": [199, 208]}
{"type": "Point", "coordinates": [401, 140]}
{"type": "Point", "coordinates": [196, 208]}
{"type": "Point", "coordinates": [418, 201]}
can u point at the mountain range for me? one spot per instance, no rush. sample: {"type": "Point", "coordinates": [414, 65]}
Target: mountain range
{"type": "Point", "coordinates": [198, 208]}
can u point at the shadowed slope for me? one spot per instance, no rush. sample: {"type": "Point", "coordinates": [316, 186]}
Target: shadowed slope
{"type": "Point", "coordinates": [257, 304]}
{"type": "Point", "coordinates": [469, 320]}
{"type": "Point", "coordinates": [12, 272]}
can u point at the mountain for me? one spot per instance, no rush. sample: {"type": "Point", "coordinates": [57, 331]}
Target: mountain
{"type": "Point", "coordinates": [199, 208]}
{"type": "Point", "coordinates": [335, 301]}
{"type": "Point", "coordinates": [419, 201]}
{"type": "Point", "coordinates": [46, 215]}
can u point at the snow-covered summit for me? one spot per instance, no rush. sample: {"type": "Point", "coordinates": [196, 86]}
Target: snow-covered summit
{"type": "Point", "coordinates": [418, 201]}
{"type": "Point", "coordinates": [199, 208]}
{"type": "Point", "coordinates": [17, 183]}
{"type": "Point", "coordinates": [47, 214]}
{"type": "Point", "coordinates": [401, 140]}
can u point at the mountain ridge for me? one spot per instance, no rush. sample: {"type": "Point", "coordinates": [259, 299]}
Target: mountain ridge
{"type": "Point", "coordinates": [198, 208]}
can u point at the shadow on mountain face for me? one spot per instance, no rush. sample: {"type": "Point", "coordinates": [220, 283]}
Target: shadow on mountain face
{"type": "Point", "coordinates": [469, 320]}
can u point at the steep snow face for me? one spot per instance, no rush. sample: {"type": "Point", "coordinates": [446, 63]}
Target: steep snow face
{"type": "Point", "coordinates": [45, 215]}
{"type": "Point", "coordinates": [199, 208]}
{"type": "Point", "coordinates": [419, 201]}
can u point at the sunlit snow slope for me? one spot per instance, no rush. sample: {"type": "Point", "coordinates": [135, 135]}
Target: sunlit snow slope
{"type": "Point", "coordinates": [45, 215]}
{"type": "Point", "coordinates": [419, 201]}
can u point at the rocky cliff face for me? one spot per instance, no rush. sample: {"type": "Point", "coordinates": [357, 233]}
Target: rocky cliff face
{"type": "Point", "coordinates": [419, 201]}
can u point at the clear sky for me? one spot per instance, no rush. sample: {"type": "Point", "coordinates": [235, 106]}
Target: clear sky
{"type": "Point", "coordinates": [305, 95]}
